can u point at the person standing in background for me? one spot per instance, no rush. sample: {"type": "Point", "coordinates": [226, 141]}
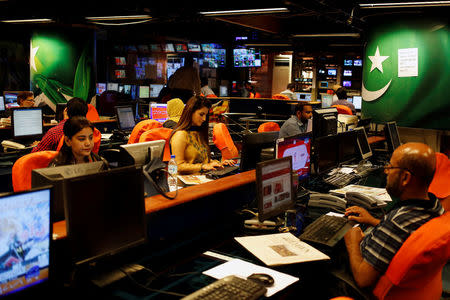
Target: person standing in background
{"type": "Point", "coordinates": [185, 82]}
{"type": "Point", "coordinates": [289, 91]}
{"type": "Point", "coordinates": [206, 90]}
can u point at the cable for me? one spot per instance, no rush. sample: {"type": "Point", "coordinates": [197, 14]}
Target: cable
{"type": "Point", "coordinates": [249, 211]}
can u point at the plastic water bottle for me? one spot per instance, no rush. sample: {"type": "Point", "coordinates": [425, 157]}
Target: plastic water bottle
{"type": "Point", "coordinates": [172, 179]}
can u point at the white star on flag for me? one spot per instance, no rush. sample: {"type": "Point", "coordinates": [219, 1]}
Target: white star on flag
{"type": "Point", "coordinates": [32, 56]}
{"type": "Point", "coordinates": [377, 61]}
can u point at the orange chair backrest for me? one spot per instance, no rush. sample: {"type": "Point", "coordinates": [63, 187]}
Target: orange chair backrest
{"type": "Point", "coordinates": [160, 133]}
{"type": "Point", "coordinates": [268, 126]}
{"type": "Point", "coordinates": [440, 186]}
{"type": "Point", "coordinates": [223, 141]}
{"type": "Point", "coordinates": [92, 114]}
{"type": "Point", "coordinates": [257, 95]}
{"type": "Point", "coordinates": [140, 128]}
{"type": "Point", "coordinates": [21, 170]}
{"type": "Point", "coordinates": [415, 272]}
{"type": "Point", "coordinates": [342, 109]}
{"type": "Point", "coordinates": [97, 141]}
{"type": "Point", "coordinates": [211, 96]}
{"type": "Point", "coordinates": [280, 97]}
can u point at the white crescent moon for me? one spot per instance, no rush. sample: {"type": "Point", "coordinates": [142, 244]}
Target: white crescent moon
{"type": "Point", "coordinates": [373, 95]}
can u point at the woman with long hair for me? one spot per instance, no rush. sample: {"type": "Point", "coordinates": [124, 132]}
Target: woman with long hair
{"type": "Point", "coordinates": [189, 140]}
{"type": "Point", "coordinates": [78, 143]}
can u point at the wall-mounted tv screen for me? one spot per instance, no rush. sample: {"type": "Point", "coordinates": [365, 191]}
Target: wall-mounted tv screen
{"type": "Point", "coordinates": [332, 72]}
{"type": "Point", "coordinates": [192, 47]}
{"type": "Point", "coordinates": [347, 72]}
{"type": "Point", "coordinates": [100, 88]}
{"type": "Point", "coordinates": [207, 47]}
{"type": "Point", "coordinates": [323, 84]}
{"type": "Point", "coordinates": [120, 73]}
{"type": "Point", "coordinates": [246, 57]}
{"type": "Point", "coordinates": [181, 48]}
{"type": "Point", "coordinates": [348, 62]}
{"type": "Point", "coordinates": [346, 83]}
{"type": "Point", "coordinates": [216, 58]}
{"type": "Point", "coordinates": [169, 47]}
{"type": "Point", "coordinates": [120, 61]}
{"type": "Point", "coordinates": [357, 62]}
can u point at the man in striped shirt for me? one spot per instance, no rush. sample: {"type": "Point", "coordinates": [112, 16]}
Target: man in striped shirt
{"type": "Point", "coordinates": [409, 173]}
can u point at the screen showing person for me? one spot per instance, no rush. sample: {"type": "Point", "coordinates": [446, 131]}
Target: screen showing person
{"type": "Point", "coordinates": [155, 89]}
{"type": "Point", "coordinates": [27, 122]}
{"type": "Point", "coordinates": [125, 117]}
{"type": "Point", "coordinates": [25, 240]}
{"type": "Point", "coordinates": [274, 187]}
{"type": "Point", "coordinates": [144, 91]}
{"type": "Point", "coordinates": [158, 112]}
{"type": "Point", "coordinates": [346, 83]}
{"type": "Point", "coordinates": [299, 148]}
{"type": "Point", "coordinates": [182, 48]}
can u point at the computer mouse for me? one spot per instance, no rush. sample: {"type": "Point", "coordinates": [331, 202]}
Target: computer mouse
{"type": "Point", "coordinates": [262, 279]}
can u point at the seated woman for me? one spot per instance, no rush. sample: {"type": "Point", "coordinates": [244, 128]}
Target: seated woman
{"type": "Point", "coordinates": [78, 144]}
{"type": "Point", "coordinates": [189, 141]}
{"type": "Point", "coordinates": [174, 110]}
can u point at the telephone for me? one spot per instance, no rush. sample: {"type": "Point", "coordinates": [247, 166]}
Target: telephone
{"type": "Point", "coordinates": [12, 145]}
{"type": "Point", "coordinates": [360, 199]}
{"type": "Point", "coordinates": [327, 201]}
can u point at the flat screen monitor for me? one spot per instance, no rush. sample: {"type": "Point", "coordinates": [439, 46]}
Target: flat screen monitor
{"type": "Point", "coordinates": [347, 72]}
{"type": "Point", "coordinates": [27, 122]}
{"type": "Point", "coordinates": [324, 121]}
{"type": "Point", "coordinates": [100, 88]}
{"type": "Point", "coordinates": [303, 96]}
{"type": "Point", "coordinates": [215, 59]}
{"type": "Point", "coordinates": [323, 84]}
{"type": "Point", "coordinates": [141, 153]}
{"type": "Point", "coordinates": [127, 89]}
{"type": "Point", "coordinates": [357, 62]}
{"type": "Point", "coordinates": [169, 47]}
{"type": "Point", "coordinates": [326, 101]}
{"type": "Point", "coordinates": [155, 89]}
{"type": "Point", "coordinates": [158, 112]}
{"type": "Point", "coordinates": [55, 176]}
{"type": "Point", "coordinates": [246, 57]}
{"type": "Point", "coordinates": [253, 145]}
{"type": "Point", "coordinates": [346, 83]}
{"type": "Point", "coordinates": [326, 153]}
{"type": "Point", "coordinates": [125, 117]}
{"type": "Point", "coordinates": [363, 143]}
{"type": "Point", "coordinates": [357, 102]}
{"type": "Point", "coordinates": [298, 147]}
{"type": "Point", "coordinates": [207, 47]}
{"type": "Point", "coordinates": [2, 103]}
{"type": "Point", "coordinates": [274, 192]}
{"type": "Point", "coordinates": [25, 238]}
{"type": "Point", "coordinates": [192, 47]}
{"type": "Point", "coordinates": [182, 48]}
{"type": "Point", "coordinates": [348, 62]}
{"type": "Point", "coordinates": [120, 74]}
{"type": "Point", "coordinates": [348, 146]}
{"type": "Point", "coordinates": [112, 86]}
{"type": "Point", "coordinates": [10, 99]}
{"type": "Point", "coordinates": [108, 219]}
{"type": "Point", "coordinates": [332, 72]}
{"type": "Point", "coordinates": [393, 138]}
{"type": "Point", "coordinates": [144, 91]}
{"type": "Point", "coordinates": [120, 60]}
{"type": "Point", "coordinates": [223, 91]}
{"type": "Point", "coordinates": [59, 113]}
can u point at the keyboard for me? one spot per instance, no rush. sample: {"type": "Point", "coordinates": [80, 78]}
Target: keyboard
{"type": "Point", "coordinates": [340, 180]}
{"type": "Point", "coordinates": [230, 287]}
{"type": "Point", "coordinates": [327, 230]}
{"type": "Point", "coordinates": [227, 170]}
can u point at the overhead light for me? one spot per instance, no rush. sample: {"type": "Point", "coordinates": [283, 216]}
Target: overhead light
{"type": "Point", "coordinates": [114, 18]}
{"type": "Point", "coordinates": [244, 12]}
{"type": "Point", "coordinates": [28, 21]}
{"type": "Point", "coordinates": [314, 35]}
{"type": "Point", "coordinates": [404, 4]}
{"type": "Point", "coordinates": [268, 45]}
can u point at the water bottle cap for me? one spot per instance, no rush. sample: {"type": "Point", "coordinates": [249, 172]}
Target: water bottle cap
{"type": "Point", "coordinates": [172, 156]}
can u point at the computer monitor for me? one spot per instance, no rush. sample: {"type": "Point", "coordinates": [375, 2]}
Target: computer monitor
{"type": "Point", "coordinates": [10, 98]}
{"type": "Point", "coordinates": [347, 73]}
{"type": "Point", "coordinates": [223, 91]}
{"type": "Point", "coordinates": [112, 86]}
{"type": "Point", "coordinates": [348, 146]}
{"type": "Point", "coordinates": [192, 47]}
{"type": "Point", "coordinates": [332, 72]}
{"type": "Point", "coordinates": [252, 148]}
{"type": "Point", "coordinates": [303, 96]}
{"type": "Point", "coordinates": [144, 91]}
{"type": "Point", "coordinates": [357, 62]}
{"type": "Point", "coordinates": [347, 122]}
{"type": "Point", "coordinates": [324, 121]}
{"type": "Point", "coordinates": [348, 62]}
{"type": "Point", "coordinates": [55, 176]}
{"type": "Point", "coordinates": [127, 89]}
{"type": "Point", "coordinates": [323, 84]}
{"type": "Point", "coordinates": [357, 101]}
{"type": "Point", "coordinates": [299, 148]}
{"type": "Point", "coordinates": [59, 113]}
{"type": "Point", "coordinates": [155, 89]}
{"type": "Point", "coordinates": [182, 48]}
{"type": "Point", "coordinates": [100, 88]}
{"type": "Point", "coordinates": [26, 234]}
{"type": "Point", "coordinates": [27, 123]}
{"type": "Point", "coordinates": [169, 47]}
{"type": "Point", "coordinates": [2, 103]}
{"type": "Point", "coordinates": [105, 214]}
{"type": "Point", "coordinates": [346, 83]}
{"type": "Point", "coordinates": [141, 153]}
{"type": "Point", "coordinates": [391, 133]}
{"type": "Point", "coordinates": [325, 153]}
{"type": "Point", "coordinates": [274, 192]}
{"type": "Point", "coordinates": [125, 117]}
{"type": "Point", "coordinates": [363, 143]}
{"type": "Point", "coordinates": [327, 100]}
{"type": "Point", "coordinates": [158, 112]}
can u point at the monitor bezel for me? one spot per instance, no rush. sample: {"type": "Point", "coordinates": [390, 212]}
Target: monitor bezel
{"type": "Point", "coordinates": [367, 154]}
{"type": "Point", "coordinates": [318, 118]}
{"type": "Point", "coordinates": [390, 134]}
{"type": "Point", "coordinates": [341, 158]}
{"type": "Point", "coordinates": [19, 137]}
{"type": "Point", "coordinates": [127, 155]}
{"type": "Point", "coordinates": [116, 109]}
{"type": "Point", "coordinates": [317, 154]}
{"type": "Point", "coordinates": [249, 158]}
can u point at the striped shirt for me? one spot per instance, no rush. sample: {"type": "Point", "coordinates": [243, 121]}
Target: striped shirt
{"type": "Point", "coordinates": [379, 246]}
{"type": "Point", "coordinates": [51, 139]}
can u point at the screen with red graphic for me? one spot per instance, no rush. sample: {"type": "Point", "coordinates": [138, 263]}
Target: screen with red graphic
{"type": "Point", "coordinates": [158, 112]}
{"type": "Point", "coordinates": [299, 148]}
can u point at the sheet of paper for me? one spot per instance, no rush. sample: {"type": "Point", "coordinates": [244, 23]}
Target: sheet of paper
{"type": "Point", "coordinates": [408, 60]}
{"type": "Point", "coordinates": [193, 179]}
{"type": "Point", "coordinates": [280, 249]}
{"type": "Point", "coordinates": [244, 269]}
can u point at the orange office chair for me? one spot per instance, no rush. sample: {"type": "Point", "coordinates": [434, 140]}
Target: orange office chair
{"type": "Point", "coordinates": [440, 185]}
{"type": "Point", "coordinates": [280, 97]}
{"type": "Point", "coordinates": [342, 109]}
{"type": "Point", "coordinates": [21, 170]}
{"type": "Point", "coordinates": [268, 126]}
{"type": "Point", "coordinates": [92, 114]}
{"type": "Point", "coordinates": [97, 141]}
{"type": "Point", "coordinates": [223, 141]}
{"type": "Point", "coordinates": [211, 96]}
{"type": "Point", "coordinates": [160, 133]}
{"type": "Point", "coordinates": [415, 272]}
{"type": "Point", "coordinates": [142, 127]}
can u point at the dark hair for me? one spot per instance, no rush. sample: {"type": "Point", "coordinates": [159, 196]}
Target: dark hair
{"type": "Point", "coordinates": [188, 61]}
{"type": "Point", "coordinates": [194, 103]}
{"type": "Point", "coordinates": [76, 107]}
{"type": "Point", "coordinates": [204, 81]}
{"type": "Point", "coordinates": [341, 93]}
{"type": "Point", "coordinates": [23, 95]}
{"type": "Point", "coordinates": [290, 86]}
{"type": "Point", "coordinates": [71, 127]}
{"type": "Point", "coordinates": [300, 106]}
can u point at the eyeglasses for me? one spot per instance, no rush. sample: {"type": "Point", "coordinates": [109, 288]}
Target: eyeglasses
{"type": "Point", "coordinates": [388, 166]}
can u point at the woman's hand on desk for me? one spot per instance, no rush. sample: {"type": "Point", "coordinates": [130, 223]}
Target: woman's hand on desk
{"type": "Point", "coordinates": [213, 165]}
{"type": "Point", "coordinates": [228, 162]}
{"type": "Point", "coordinates": [361, 215]}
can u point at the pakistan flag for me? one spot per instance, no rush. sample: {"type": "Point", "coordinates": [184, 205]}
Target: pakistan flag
{"type": "Point", "coordinates": [406, 75]}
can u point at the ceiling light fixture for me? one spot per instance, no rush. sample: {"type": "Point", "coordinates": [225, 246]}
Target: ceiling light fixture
{"type": "Point", "coordinates": [268, 45]}
{"type": "Point", "coordinates": [244, 12]}
{"type": "Point", "coordinates": [404, 4]}
{"type": "Point", "coordinates": [314, 35]}
{"type": "Point", "coordinates": [114, 18]}
{"type": "Point", "coordinates": [28, 21]}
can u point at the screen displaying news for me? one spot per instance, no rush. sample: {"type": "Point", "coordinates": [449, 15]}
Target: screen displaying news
{"type": "Point", "coordinates": [158, 112]}
{"type": "Point", "coordinates": [276, 185]}
{"type": "Point", "coordinates": [299, 148]}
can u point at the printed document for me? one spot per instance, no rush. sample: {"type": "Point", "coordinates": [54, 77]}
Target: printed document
{"type": "Point", "coordinates": [380, 194]}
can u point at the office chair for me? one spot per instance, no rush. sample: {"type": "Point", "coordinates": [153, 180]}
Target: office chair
{"type": "Point", "coordinates": [415, 272]}
{"type": "Point", "coordinates": [159, 133]}
{"type": "Point", "coordinates": [223, 141]}
{"type": "Point", "coordinates": [21, 170]}
{"type": "Point", "coordinates": [342, 109]}
{"type": "Point", "coordinates": [92, 114]}
{"type": "Point", "coordinates": [268, 126]}
{"type": "Point", "coordinates": [97, 141]}
{"type": "Point", "coordinates": [140, 128]}
{"type": "Point", "coordinates": [280, 97]}
{"type": "Point", "coordinates": [440, 184]}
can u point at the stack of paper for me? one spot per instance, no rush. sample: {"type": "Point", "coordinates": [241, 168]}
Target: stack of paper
{"type": "Point", "coordinates": [380, 194]}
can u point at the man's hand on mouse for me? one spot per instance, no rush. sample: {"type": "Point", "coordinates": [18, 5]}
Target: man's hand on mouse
{"type": "Point", "coordinates": [361, 215]}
